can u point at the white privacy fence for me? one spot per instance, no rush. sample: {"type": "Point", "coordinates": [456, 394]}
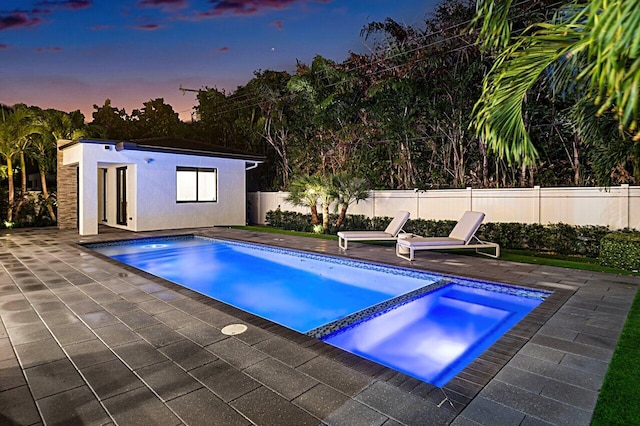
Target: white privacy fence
{"type": "Point", "coordinates": [616, 207]}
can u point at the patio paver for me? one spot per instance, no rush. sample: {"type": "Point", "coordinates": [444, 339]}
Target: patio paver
{"type": "Point", "coordinates": [84, 339]}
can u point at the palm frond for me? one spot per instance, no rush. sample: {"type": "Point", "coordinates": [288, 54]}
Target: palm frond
{"type": "Point", "coordinates": [495, 30]}
{"type": "Point", "coordinates": [499, 119]}
{"type": "Point", "coordinates": [601, 39]}
{"type": "Point", "coordinates": [614, 48]}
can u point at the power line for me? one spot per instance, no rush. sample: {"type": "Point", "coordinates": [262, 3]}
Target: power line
{"type": "Point", "coordinates": [249, 100]}
{"type": "Point", "coordinates": [416, 40]}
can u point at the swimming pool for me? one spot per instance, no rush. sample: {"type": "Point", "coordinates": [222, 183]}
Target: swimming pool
{"type": "Point", "coordinates": [340, 300]}
{"type": "Point", "coordinates": [302, 291]}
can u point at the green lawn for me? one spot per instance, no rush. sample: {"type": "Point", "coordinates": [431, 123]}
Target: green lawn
{"type": "Point", "coordinates": [619, 400]}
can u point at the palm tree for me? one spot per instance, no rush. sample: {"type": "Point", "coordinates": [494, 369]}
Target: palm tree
{"type": "Point", "coordinates": [308, 191]}
{"type": "Point", "coordinates": [596, 43]}
{"type": "Point", "coordinates": [21, 129]}
{"type": "Point", "coordinates": [327, 192]}
{"type": "Point", "coordinates": [348, 190]}
{"type": "Point", "coordinates": [51, 126]}
{"type": "Point", "coordinates": [14, 136]}
{"type": "Point", "coordinates": [303, 193]}
{"type": "Point", "coordinates": [8, 153]}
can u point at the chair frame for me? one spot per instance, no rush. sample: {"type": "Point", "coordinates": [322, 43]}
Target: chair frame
{"type": "Point", "coordinates": [473, 243]}
{"type": "Point", "coordinates": [343, 242]}
{"type": "Point", "coordinates": [371, 235]}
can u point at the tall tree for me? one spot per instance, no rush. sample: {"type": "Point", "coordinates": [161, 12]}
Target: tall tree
{"type": "Point", "coordinates": [8, 152]}
{"type": "Point", "coordinates": [327, 101]}
{"type": "Point", "coordinates": [269, 89]}
{"type": "Point", "coordinates": [155, 119]}
{"type": "Point", "coordinates": [50, 126]}
{"type": "Point", "coordinates": [218, 112]}
{"type": "Point", "coordinates": [111, 122]}
{"type": "Point", "coordinates": [22, 125]}
{"type": "Point", "coordinates": [15, 130]}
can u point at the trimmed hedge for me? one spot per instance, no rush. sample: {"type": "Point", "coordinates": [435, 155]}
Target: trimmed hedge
{"type": "Point", "coordinates": [621, 250]}
{"type": "Point", "coordinates": [556, 238]}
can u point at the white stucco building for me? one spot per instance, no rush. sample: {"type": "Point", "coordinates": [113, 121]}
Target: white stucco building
{"type": "Point", "coordinates": [150, 184]}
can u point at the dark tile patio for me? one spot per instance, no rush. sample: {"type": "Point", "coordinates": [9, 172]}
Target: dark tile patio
{"type": "Point", "coordinates": [86, 340]}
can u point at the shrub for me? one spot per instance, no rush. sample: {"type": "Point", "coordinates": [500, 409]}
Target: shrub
{"type": "Point", "coordinates": [33, 212]}
{"type": "Point", "coordinates": [556, 238]}
{"type": "Point", "coordinates": [291, 221]}
{"type": "Point", "coordinates": [621, 250]}
{"type": "Point", "coordinates": [357, 222]}
{"type": "Point", "coordinates": [429, 227]}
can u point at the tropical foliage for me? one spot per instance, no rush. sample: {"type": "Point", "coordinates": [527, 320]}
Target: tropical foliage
{"type": "Point", "coordinates": [484, 94]}
{"type": "Point", "coordinates": [402, 115]}
{"type": "Point", "coordinates": [339, 190]}
{"type": "Point", "coordinates": [590, 52]}
{"type": "Point", "coordinates": [28, 135]}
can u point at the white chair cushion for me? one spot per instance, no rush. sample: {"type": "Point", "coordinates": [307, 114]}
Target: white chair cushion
{"type": "Point", "coordinates": [467, 226]}
{"type": "Point", "coordinates": [364, 235]}
{"type": "Point", "coordinates": [397, 223]}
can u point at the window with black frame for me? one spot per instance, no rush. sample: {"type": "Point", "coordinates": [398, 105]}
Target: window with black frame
{"type": "Point", "coordinates": [196, 185]}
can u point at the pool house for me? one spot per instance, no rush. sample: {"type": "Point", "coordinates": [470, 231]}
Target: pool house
{"type": "Point", "coordinates": [150, 184]}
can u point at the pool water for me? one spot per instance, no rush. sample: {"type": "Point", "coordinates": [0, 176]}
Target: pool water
{"type": "Point", "coordinates": [436, 335]}
{"type": "Point", "coordinates": [301, 292]}
{"type": "Point", "coordinates": [423, 324]}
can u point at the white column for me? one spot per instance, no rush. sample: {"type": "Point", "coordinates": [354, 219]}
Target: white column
{"type": "Point", "coordinates": [538, 204]}
{"type": "Point", "coordinates": [88, 198]}
{"type": "Point", "coordinates": [624, 205]}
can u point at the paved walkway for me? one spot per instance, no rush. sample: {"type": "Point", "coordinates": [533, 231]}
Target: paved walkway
{"type": "Point", "coordinates": [84, 339]}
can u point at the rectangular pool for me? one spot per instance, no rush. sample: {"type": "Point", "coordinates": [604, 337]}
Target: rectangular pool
{"type": "Point", "coordinates": [299, 290]}
{"type": "Point", "coordinates": [426, 325]}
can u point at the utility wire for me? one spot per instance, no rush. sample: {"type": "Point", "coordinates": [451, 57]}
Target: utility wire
{"type": "Point", "coordinates": [427, 36]}
{"type": "Point", "coordinates": [246, 101]}
{"type": "Point", "coordinates": [248, 97]}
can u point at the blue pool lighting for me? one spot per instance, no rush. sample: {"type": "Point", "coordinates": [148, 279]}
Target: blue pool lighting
{"type": "Point", "coordinates": [426, 325]}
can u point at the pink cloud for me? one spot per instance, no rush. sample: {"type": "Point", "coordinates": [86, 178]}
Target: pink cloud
{"type": "Point", "coordinates": [29, 18]}
{"type": "Point", "coordinates": [54, 49]}
{"type": "Point", "coordinates": [3, 46]}
{"type": "Point", "coordinates": [148, 27]}
{"type": "Point", "coordinates": [67, 4]}
{"type": "Point", "coordinates": [77, 4]}
{"type": "Point", "coordinates": [18, 19]}
{"type": "Point", "coordinates": [223, 49]}
{"type": "Point", "coordinates": [166, 5]}
{"type": "Point", "coordinates": [249, 7]}
{"type": "Point", "coordinates": [277, 24]}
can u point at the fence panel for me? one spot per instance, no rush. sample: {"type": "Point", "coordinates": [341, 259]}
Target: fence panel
{"type": "Point", "coordinates": [584, 206]}
{"type": "Point", "coordinates": [615, 207]}
{"type": "Point", "coordinates": [634, 207]}
{"type": "Point", "coordinates": [443, 204]}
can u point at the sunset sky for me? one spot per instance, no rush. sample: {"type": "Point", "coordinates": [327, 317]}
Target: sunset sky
{"type": "Point", "coordinates": [72, 54]}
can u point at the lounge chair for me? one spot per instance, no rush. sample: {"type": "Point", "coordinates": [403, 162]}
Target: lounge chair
{"type": "Point", "coordinates": [389, 234]}
{"type": "Point", "coordinates": [461, 237]}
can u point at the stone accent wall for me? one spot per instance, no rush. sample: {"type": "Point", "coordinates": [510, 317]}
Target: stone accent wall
{"type": "Point", "coordinates": [67, 194]}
